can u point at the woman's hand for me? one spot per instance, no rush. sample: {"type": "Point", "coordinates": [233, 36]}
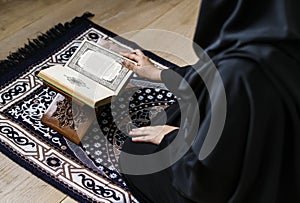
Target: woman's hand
{"type": "Point", "coordinates": [144, 67]}
{"type": "Point", "coordinates": [153, 134]}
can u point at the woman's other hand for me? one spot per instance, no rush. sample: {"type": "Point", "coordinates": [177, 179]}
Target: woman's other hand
{"type": "Point", "coordinates": [153, 134]}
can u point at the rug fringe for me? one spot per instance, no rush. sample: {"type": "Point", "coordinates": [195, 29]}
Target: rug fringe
{"type": "Point", "coordinates": [40, 42]}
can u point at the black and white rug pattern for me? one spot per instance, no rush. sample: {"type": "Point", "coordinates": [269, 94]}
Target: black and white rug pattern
{"type": "Point", "coordinates": [90, 169]}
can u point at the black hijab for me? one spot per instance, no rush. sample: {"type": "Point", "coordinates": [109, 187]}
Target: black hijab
{"type": "Point", "coordinates": [255, 45]}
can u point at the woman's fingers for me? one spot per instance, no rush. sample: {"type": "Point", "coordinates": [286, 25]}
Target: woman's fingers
{"type": "Point", "coordinates": [138, 52]}
{"type": "Point", "coordinates": [143, 131]}
{"type": "Point", "coordinates": [143, 67]}
{"type": "Point", "coordinates": [131, 56]}
{"type": "Point", "coordinates": [153, 134]}
{"type": "Point", "coordinates": [143, 139]}
{"type": "Point", "coordinates": [129, 65]}
{"type": "Point", "coordinates": [136, 55]}
{"type": "Point", "coordinates": [141, 135]}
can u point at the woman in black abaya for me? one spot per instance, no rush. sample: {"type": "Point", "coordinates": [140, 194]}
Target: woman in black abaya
{"type": "Point", "coordinates": [255, 45]}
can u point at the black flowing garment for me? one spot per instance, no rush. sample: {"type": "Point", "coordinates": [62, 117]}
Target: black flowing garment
{"type": "Point", "coordinates": [255, 45]}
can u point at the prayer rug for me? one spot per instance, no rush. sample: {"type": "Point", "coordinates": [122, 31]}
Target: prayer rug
{"type": "Point", "coordinates": [86, 172]}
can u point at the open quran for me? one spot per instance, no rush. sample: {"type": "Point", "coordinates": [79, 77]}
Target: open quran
{"type": "Point", "coordinates": [91, 76]}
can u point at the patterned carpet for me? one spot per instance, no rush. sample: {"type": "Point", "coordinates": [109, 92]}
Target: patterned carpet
{"type": "Point", "coordinates": [88, 172]}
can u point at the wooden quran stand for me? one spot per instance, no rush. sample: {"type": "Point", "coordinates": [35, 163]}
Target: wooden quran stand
{"type": "Point", "coordinates": [71, 119]}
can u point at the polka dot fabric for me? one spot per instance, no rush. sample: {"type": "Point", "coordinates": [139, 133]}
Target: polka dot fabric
{"type": "Point", "coordinates": [133, 108]}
